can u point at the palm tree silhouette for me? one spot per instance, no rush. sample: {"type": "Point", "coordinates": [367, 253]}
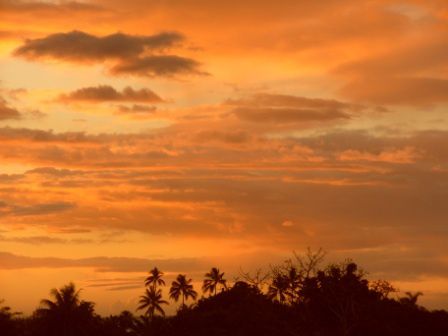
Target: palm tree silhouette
{"type": "Point", "coordinates": [279, 287]}
{"type": "Point", "coordinates": [213, 279]}
{"type": "Point", "coordinates": [66, 314]}
{"type": "Point", "coordinates": [411, 298]}
{"type": "Point", "coordinates": [152, 301]}
{"type": "Point", "coordinates": [294, 279]}
{"type": "Point", "coordinates": [182, 287]}
{"type": "Point", "coordinates": [155, 278]}
{"type": "Point", "coordinates": [67, 298]}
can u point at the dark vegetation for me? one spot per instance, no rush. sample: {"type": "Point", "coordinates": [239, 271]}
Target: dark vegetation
{"type": "Point", "coordinates": [296, 298]}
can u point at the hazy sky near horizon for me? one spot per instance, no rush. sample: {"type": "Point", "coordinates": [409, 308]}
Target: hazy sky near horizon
{"type": "Point", "coordinates": [189, 133]}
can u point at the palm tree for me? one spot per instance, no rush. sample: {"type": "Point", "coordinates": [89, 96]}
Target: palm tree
{"type": "Point", "coordinates": [155, 278]}
{"type": "Point", "coordinates": [279, 288]}
{"type": "Point", "coordinates": [213, 279]}
{"type": "Point", "coordinates": [411, 298]}
{"type": "Point", "coordinates": [294, 281]}
{"type": "Point", "coordinates": [182, 287]}
{"type": "Point", "coordinates": [152, 301]}
{"type": "Point", "coordinates": [66, 314]}
{"type": "Point", "coordinates": [65, 298]}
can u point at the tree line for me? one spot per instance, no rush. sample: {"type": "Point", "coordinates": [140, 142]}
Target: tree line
{"type": "Point", "coordinates": [297, 297]}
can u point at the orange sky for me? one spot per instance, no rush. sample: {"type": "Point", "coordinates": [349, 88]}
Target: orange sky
{"type": "Point", "coordinates": [189, 133]}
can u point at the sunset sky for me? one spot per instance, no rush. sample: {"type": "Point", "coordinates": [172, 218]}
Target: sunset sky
{"type": "Point", "coordinates": [193, 133]}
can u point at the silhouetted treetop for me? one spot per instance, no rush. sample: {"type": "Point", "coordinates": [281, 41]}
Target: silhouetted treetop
{"type": "Point", "coordinates": [212, 280]}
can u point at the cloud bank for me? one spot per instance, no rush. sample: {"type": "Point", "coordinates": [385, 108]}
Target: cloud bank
{"type": "Point", "coordinates": [128, 54]}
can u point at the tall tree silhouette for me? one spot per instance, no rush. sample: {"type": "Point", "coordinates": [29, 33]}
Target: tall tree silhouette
{"type": "Point", "coordinates": [294, 279]}
{"type": "Point", "coordinates": [182, 287]}
{"type": "Point", "coordinates": [152, 302]}
{"type": "Point", "coordinates": [66, 314]}
{"type": "Point", "coordinates": [155, 278]}
{"type": "Point", "coordinates": [213, 279]}
{"type": "Point", "coordinates": [278, 290]}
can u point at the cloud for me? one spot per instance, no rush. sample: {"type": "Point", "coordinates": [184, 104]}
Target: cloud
{"type": "Point", "coordinates": [405, 155]}
{"type": "Point", "coordinates": [7, 112]}
{"type": "Point", "coordinates": [283, 115]}
{"type": "Point", "coordinates": [33, 240]}
{"type": "Point", "coordinates": [21, 6]}
{"type": "Point", "coordinates": [270, 171]}
{"type": "Point", "coordinates": [106, 93]}
{"type": "Point", "coordinates": [125, 54]}
{"type": "Point", "coordinates": [398, 90]}
{"type": "Point", "coordinates": [287, 223]}
{"type": "Point", "coordinates": [54, 172]}
{"type": "Point", "coordinates": [77, 46]}
{"type": "Point", "coordinates": [10, 261]}
{"type": "Point", "coordinates": [289, 101]}
{"type": "Point", "coordinates": [344, 189]}
{"type": "Point", "coordinates": [34, 135]}
{"type": "Point", "coordinates": [232, 137]}
{"type": "Point", "coordinates": [413, 74]}
{"type": "Point", "coordinates": [14, 94]}
{"type": "Point", "coordinates": [354, 23]}
{"type": "Point", "coordinates": [409, 59]}
{"type": "Point", "coordinates": [135, 109]}
{"type": "Point", "coordinates": [39, 209]}
{"type": "Point", "coordinates": [287, 109]}
{"type": "Point", "coordinates": [45, 240]}
{"type": "Point", "coordinates": [29, 18]}
{"type": "Point", "coordinates": [158, 65]}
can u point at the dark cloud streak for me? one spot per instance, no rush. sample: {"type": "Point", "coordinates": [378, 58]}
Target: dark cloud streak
{"type": "Point", "coordinates": [105, 93]}
{"type": "Point", "coordinates": [77, 46]}
{"type": "Point", "coordinates": [158, 65]}
{"type": "Point", "coordinates": [8, 112]}
{"type": "Point", "coordinates": [288, 109]}
{"type": "Point", "coordinates": [101, 264]}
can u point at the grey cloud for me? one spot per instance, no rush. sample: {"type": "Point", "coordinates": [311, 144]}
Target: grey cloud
{"type": "Point", "coordinates": [288, 101]}
{"type": "Point", "coordinates": [9, 133]}
{"type": "Point", "coordinates": [54, 172]}
{"type": "Point", "coordinates": [77, 46]}
{"type": "Point", "coordinates": [138, 55]}
{"type": "Point", "coordinates": [136, 109]}
{"type": "Point", "coordinates": [35, 209]}
{"type": "Point", "coordinates": [33, 240]}
{"type": "Point", "coordinates": [158, 65]}
{"type": "Point", "coordinates": [8, 112]}
{"type": "Point", "coordinates": [285, 116]}
{"type": "Point", "coordinates": [105, 93]}
{"type": "Point", "coordinates": [287, 109]}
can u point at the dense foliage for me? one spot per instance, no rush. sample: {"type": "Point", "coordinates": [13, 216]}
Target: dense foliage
{"type": "Point", "coordinates": [299, 299]}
